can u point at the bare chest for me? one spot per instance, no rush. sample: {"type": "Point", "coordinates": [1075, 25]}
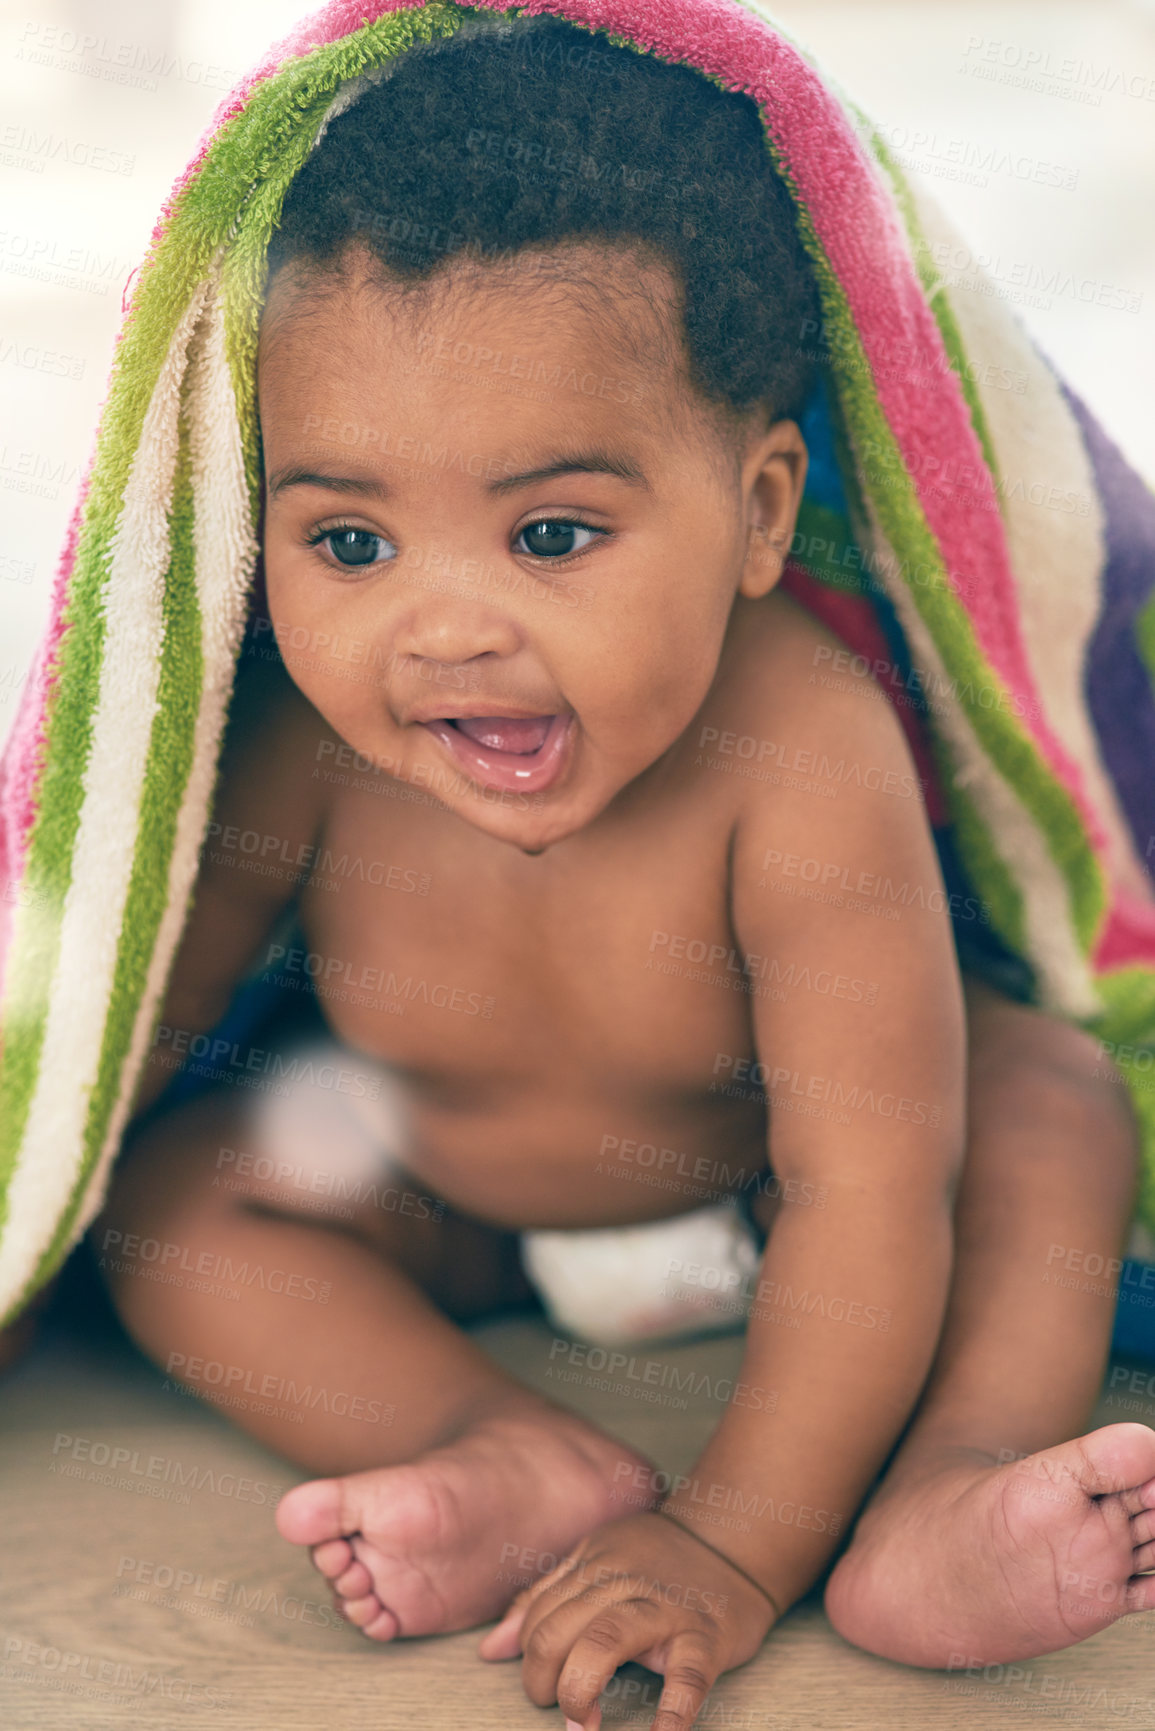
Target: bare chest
{"type": "Point", "coordinates": [455, 957]}
{"type": "Point", "coordinates": [539, 1009]}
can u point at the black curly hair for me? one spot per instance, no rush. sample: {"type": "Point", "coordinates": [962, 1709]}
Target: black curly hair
{"type": "Point", "coordinates": [498, 139]}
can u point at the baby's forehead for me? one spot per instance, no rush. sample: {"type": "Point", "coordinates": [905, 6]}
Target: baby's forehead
{"type": "Point", "coordinates": [613, 295]}
{"type": "Point", "coordinates": [552, 327]}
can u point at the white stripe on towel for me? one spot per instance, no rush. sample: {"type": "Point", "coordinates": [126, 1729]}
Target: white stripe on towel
{"type": "Point", "coordinates": [1066, 982]}
{"type": "Point", "coordinates": [224, 550]}
{"type": "Point", "coordinates": [53, 1144]}
{"type": "Point", "coordinates": [1057, 554]}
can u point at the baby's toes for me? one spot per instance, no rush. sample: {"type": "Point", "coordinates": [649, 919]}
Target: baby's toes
{"type": "Point", "coordinates": [1143, 1541]}
{"type": "Point", "coordinates": [355, 1583]}
{"type": "Point", "coordinates": [1139, 1502]}
{"type": "Point", "coordinates": [332, 1558]}
{"type": "Point", "coordinates": [371, 1617]}
{"type": "Point", "coordinates": [382, 1628]}
{"type": "Point", "coordinates": [1143, 1526]}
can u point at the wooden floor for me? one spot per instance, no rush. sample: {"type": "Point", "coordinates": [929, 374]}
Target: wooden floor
{"type": "Point", "coordinates": [128, 1601]}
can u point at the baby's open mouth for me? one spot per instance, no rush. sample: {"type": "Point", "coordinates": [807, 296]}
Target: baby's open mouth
{"type": "Point", "coordinates": [510, 733]}
{"type": "Point", "coordinates": [524, 752]}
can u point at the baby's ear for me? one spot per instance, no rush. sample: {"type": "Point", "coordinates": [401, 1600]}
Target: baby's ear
{"type": "Point", "coordinates": [766, 549]}
{"type": "Point", "coordinates": [773, 478]}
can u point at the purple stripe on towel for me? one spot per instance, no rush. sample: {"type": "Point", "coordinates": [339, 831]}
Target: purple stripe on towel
{"type": "Point", "coordinates": [1118, 684]}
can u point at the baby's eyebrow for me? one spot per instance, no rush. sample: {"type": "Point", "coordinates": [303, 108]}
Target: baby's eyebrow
{"type": "Point", "coordinates": [595, 462]}
{"type": "Point", "coordinates": [292, 476]}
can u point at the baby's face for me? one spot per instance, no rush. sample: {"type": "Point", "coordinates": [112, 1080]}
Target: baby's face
{"type": "Point", "coordinates": [502, 546]}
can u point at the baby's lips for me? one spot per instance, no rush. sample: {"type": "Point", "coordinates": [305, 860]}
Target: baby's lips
{"type": "Point", "coordinates": [538, 758]}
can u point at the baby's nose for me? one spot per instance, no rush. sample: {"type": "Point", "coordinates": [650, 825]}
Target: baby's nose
{"type": "Point", "coordinates": [450, 630]}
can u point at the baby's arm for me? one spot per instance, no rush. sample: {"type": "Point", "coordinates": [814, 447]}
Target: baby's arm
{"type": "Point", "coordinates": [852, 1293]}
{"type": "Point", "coordinates": [266, 788]}
{"type": "Point", "coordinates": [865, 1069]}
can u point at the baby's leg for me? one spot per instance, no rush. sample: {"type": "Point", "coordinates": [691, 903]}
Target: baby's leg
{"type": "Point", "coordinates": [453, 1467]}
{"type": "Point", "coordinates": [958, 1558]}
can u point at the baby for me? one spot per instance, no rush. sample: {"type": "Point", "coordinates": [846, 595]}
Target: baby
{"type": "Point", "coordinates": [532, 454]}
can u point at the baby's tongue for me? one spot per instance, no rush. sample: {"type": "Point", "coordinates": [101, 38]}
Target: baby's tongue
{"type": "Point", "coordinates": [506, 732]}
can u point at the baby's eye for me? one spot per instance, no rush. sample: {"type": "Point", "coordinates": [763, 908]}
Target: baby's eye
{"type": "Point", "coordinates": [555, 538]}
{"type": "Point", "coordinates": [354, 547]}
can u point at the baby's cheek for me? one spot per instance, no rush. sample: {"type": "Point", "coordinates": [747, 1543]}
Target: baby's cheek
{"type": "Point", "coordinates": [682, 667]}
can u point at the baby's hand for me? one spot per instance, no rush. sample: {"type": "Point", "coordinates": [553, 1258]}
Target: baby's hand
{"type": "Point", "coordinates": [641, 1588]}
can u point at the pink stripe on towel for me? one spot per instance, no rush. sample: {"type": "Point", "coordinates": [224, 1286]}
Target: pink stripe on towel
{"type": "Point", "coordinates": [1128, 935]}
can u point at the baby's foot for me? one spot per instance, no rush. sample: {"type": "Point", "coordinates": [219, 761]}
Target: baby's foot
{"type": "Point", "coordinates": [976, 1563]}
{"type": "Point", "coordinates": [446, 1541]}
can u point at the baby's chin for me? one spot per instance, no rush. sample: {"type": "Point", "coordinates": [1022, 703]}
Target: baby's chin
{"type": "Point", "coordinates": [542, 823]}
{"type": "Point", "coordinates": [531, 833]}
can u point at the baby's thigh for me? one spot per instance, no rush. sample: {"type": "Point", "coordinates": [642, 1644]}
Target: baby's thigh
{"type": "Point", "coordinates": [322, 1140]}
{"type": "Point", "coordinates": [1044, 1086]}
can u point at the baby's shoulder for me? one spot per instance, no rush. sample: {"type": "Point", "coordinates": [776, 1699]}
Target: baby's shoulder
{"type": "Point", "coordinates": [800, 754]}
{"type": "Point", "coordinates": [775, 706]}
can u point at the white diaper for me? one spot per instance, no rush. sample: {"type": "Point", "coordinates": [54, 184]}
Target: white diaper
{"type": "Point", "coordinates": [669, 1279]}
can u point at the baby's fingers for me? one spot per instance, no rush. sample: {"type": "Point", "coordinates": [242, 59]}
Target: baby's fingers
{"type": "Point", "coordinates": [504, 1641]}
{"type": "Point", "coordinates": [691, 1670]}
{"type": "Point", "coordinates": [633, 1628]}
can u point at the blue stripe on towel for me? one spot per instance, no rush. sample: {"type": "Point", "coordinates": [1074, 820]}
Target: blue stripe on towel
{"type": "Point", "coordinates": [823, 476]}
{"type": "Point", "coordinates": [1134, 1335]}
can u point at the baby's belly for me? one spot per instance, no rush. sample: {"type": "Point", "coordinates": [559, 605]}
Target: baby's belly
{"type": "Point", "coordinates": [569, 1162]}
{"type": "Point", "coordinates": [542, 1145]}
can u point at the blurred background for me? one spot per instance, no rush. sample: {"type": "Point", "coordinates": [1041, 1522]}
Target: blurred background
{"type": "Point", "coordinates": [1033, 121]}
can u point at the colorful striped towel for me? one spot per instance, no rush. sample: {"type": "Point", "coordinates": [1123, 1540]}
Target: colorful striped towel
{"type": "Point", "coordinates": [968, 529]}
